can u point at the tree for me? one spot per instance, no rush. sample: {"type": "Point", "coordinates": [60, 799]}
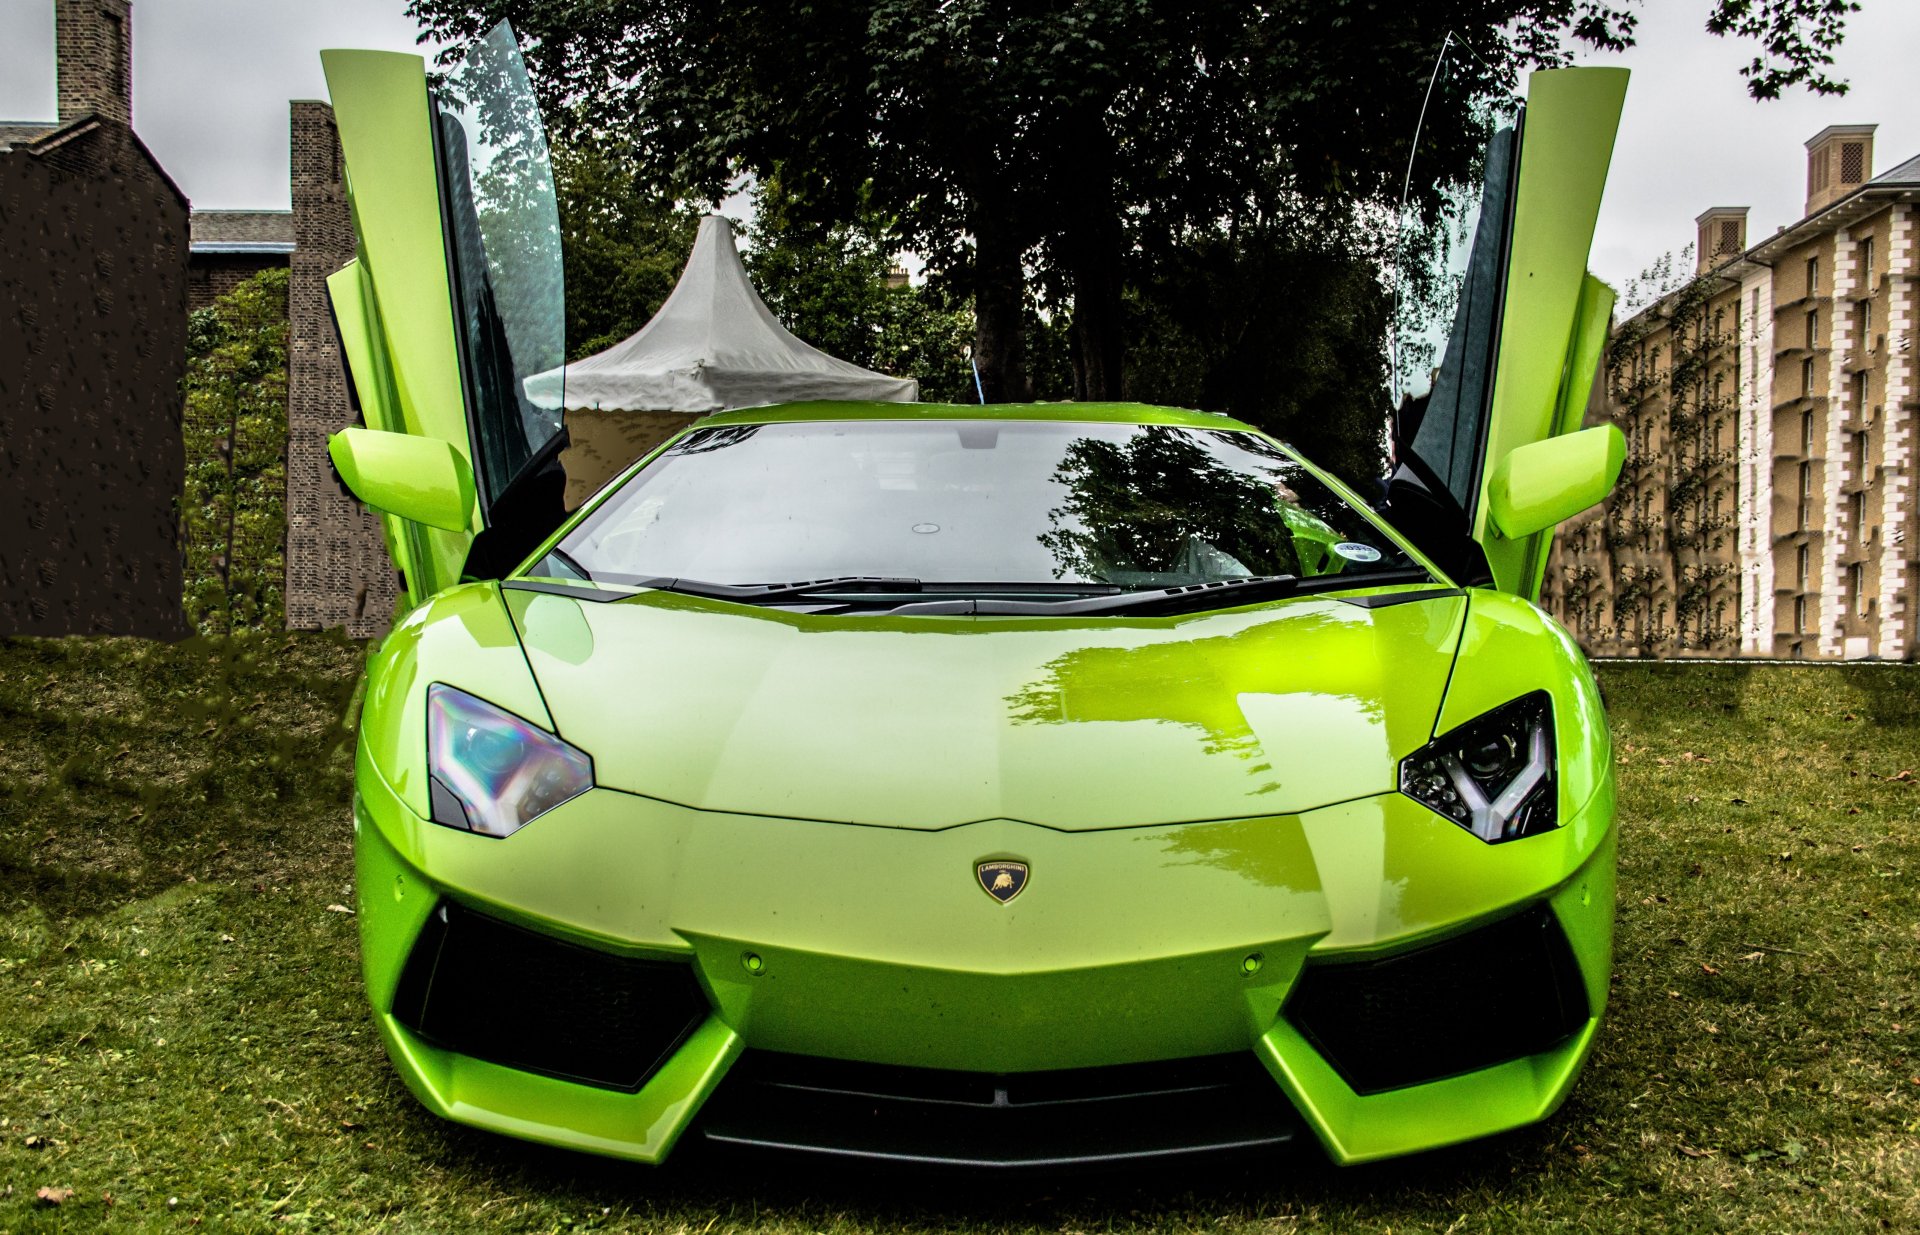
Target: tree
{"type": "Point", "coordinates": [832, 286]}
{"type": "Point", "coordinates": [624, 245]}
{"type": "Point", "coordinates": [1279, 329]}
{"type": "Point", "coordinates": [233, 512]}
{"type": "Point", "coordinates": [1059, 147]}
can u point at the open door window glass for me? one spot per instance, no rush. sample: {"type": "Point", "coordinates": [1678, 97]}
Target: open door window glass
{"type": "Point", "coordinates": [502, 226]}
{"type": "Point", "coordinates": [1519, 350]}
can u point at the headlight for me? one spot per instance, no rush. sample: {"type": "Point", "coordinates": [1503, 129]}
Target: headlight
{"type": "Point", "coordinates": [491, 772]}
{"type": "Point", "coordinates": [1494, 775]}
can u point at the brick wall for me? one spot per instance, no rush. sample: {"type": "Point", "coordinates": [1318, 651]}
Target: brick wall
{"type": "Point", "coordinates": [212, 276]}
{"type": "Point", "coordinates": [93, 258]}
{"type": "Point", "coordinates": [94, 51]}
{"type": "Point", "coordinates": [338, 573]}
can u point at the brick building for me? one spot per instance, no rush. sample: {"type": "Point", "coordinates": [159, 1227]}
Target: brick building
{"type": "Point", "coordinates": [1767, 506]}
{"type": "Point", "coordinates": [93, 294]}
{"type": "Point", "coordinates": [101, 261]}
{"type": "Point", "coordinates": [338, 572]}
{"type": "Point", "coordinates": [232, 246]}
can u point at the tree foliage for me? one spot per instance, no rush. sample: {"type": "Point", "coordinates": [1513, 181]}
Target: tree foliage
{"type": "Point", "coordinates": [1281, 330]}
{"type": "Point", "coordinates": [835, 287]}
{"type": "Point", "coordinates": [233, 512]}
{"type": "Point", "coordinates": [1058, 146]}
{"type": "Point", "coordinates": [624, 244]}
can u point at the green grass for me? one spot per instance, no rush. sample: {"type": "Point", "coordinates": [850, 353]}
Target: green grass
{"type": "Point", "coordinates": [181, 1022]}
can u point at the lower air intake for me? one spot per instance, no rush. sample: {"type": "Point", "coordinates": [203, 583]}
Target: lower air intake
{"type": "Point", "coordinates": [1033, 1121]}
{"type": "Point", "coordinates": [1498, 993]}
{"type": "Point", "coordinates": [482, 987]}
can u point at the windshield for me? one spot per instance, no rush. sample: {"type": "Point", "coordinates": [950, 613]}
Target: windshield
{"type": "Point", "coordinates": [973, 501]}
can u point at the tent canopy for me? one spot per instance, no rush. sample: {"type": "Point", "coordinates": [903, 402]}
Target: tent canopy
{"type": "Point", "coordinates": [713, 345]}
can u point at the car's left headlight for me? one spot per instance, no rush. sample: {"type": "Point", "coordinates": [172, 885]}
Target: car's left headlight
{"type": "Point", "coordinates": [1493, 775]}
{"type": "Point", "coordinates": [492, 772]}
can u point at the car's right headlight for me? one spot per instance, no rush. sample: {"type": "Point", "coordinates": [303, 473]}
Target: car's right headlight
{"type": "Point", "coordinates": [492, 772]}
{"type": "Point", "coordinates": [1493, 775]}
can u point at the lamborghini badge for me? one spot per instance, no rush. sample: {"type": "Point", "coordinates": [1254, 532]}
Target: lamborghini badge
{"type": "Point", "coordinates": [1002, 880]}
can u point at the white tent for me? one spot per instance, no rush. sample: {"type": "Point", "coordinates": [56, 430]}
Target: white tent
{"type": "Point", "coordinates": [713, 345]}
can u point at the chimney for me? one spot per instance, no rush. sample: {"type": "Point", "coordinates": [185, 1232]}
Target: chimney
{"type": "Point", "coordinates": [93, 46]}
{"type": "Point", "coordinates": [1723, 237]}
{"type": "Point", "coordinates": [1839, 160]}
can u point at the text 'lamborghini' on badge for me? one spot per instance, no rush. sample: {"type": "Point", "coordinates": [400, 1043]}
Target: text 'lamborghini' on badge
{"type": "Point", "coordinates": [1002, 880]}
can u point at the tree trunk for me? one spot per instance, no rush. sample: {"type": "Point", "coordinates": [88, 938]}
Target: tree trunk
{"type": "Point", "coordinates": [1096, 332]}
{"type": "Point", "coordinates": [1090, 252]}
{"type": "Point", "coordinates": [999, 312]}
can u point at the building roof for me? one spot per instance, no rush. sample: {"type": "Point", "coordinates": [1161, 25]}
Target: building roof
{"type": "Point", "coordinates": [20, 132]}
{"type": "Point", "coordinates": [1906, 173]}
{"type": "Point", "coordinates": [242, 231]}
{"type": "Point", "coordinates": [41, 139]}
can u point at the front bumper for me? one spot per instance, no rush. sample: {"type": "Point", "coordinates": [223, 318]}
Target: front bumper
{"type": "Point", "coordinates": [878, 946]}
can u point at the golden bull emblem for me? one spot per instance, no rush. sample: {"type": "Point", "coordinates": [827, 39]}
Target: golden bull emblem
{"type": "Point", "coordinates": [1002, 879]}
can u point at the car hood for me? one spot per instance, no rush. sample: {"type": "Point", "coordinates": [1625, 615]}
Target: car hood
{"type": "Point", "coordinates": [919, 722]}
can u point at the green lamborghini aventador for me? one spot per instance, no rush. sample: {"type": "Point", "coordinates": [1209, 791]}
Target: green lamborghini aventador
{"type": "Point", "coordinates": [1006, 786]}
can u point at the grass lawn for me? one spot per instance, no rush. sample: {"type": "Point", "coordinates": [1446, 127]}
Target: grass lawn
{"type": "Point", "coordinates": [183, 1041]}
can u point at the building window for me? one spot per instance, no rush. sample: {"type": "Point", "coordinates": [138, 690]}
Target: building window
{"type": "Point", "coordinates": [1860, 455]}
{"type": "Point", "coordinates": [1866, 263]}
{"type": "Point", "coordinates": [1800, 569]}
{"type": "Point", "coordinates": [1806, 434]}
{"type": "Point", "coordinates": [1860, 514]}
{"type": "Point", "coordinates": [1857, 588]}
{"type": "Point", "coordinates": [1866, 324]}
{"type": "Point", "coordinates": [1799, 620]}
{"type": "Point", "coordinates": [1813, 276]}
{"type": "Point", "coordinates": [1859, 407]}
{"type": "Point", "coordinates": [1813, 329]}
{"type": "Point", "coordinates": [1806, 494]}
{"type": "Point", "coordinates": [1806, 378]}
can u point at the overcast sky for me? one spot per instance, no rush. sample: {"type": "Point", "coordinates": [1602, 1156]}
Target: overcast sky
{"type": "Point", "coordinates": [212, 77]}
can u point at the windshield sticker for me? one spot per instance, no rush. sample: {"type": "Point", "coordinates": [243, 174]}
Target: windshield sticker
{"type": "Point", "coordinates": [1356, 552]}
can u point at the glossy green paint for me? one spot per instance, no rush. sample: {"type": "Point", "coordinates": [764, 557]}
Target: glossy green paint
{"type": "Point", "coordinates": [1546, 352]}
{"type": "Point", "coordinates": [1543, 483]}
{"type": "Point", "coordinates": [1070, 723]}
{"type": "Point", "coordinates": [462, 637]}
{"type": "Point", "coordinates": [421, 479]}
{"type": "Point", "coordinates": [876, 943]}
{"type": "Point", "coordinates": [403, 355]}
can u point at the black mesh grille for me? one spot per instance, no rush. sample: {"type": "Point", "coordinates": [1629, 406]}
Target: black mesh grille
{"type": "Point", "coordinates": [1502, 992]}
{"type": "Point", "coordinates": [1033, 1121]}
{"type": "Point", "coordinates": [482, 987]}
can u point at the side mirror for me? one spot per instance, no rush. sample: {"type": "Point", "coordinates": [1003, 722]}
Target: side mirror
{"type": "Point", "coordinates": [1544, 483]}
{"type": "Point", "coordinates": [419, 478]}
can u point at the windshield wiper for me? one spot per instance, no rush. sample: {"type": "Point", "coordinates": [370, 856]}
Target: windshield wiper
{"type": "Point", "coordinates": [755, 592]}
{"type": "Point", "coordinates": [1201, 595]}
{"type": "Point", "coordinates": [1218, 594]}
{"type": "Point", "coordinates": [878, 586]}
